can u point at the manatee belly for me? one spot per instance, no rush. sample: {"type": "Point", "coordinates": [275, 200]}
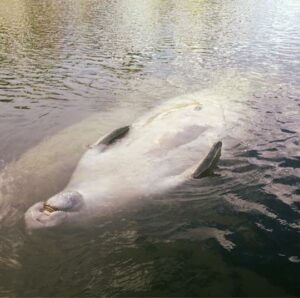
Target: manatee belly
{"type": "Point", "coordinates": [162, 144]}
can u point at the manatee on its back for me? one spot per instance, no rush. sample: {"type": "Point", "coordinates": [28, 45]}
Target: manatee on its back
{"type": "Point", "coordinates": [179, 140]}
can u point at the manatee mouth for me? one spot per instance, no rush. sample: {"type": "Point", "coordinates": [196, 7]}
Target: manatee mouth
{"type": "Point", "coordinates": [48, 209]}
{"type": "Point", "coordinates": [43, 215]}
{"type": "Point", "coordinates": [55, 211]}
{"type": "Point", "coordinates": [66, 201]}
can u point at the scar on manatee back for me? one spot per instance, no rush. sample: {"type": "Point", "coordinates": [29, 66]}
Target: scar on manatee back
{"type": "Point", "coordinates": [195, 105]}
{"type": "Point", "coordinates": [171, 141]}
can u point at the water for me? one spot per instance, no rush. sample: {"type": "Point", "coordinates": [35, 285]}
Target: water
{"type": "Point", "coordinates": [73, 70]}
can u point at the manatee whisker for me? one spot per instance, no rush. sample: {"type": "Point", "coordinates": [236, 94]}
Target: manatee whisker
{"type": "Point", "coordinates": [49, 209]}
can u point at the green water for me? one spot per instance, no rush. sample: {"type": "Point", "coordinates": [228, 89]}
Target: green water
{"type": "Point", "coordinates": [73, 70]}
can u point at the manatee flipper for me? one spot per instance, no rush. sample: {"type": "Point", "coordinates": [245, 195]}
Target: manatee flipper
{"type": "Point", "coordinates": [210, 162]}
{"type": "Point", "coordinates": [111, 138]}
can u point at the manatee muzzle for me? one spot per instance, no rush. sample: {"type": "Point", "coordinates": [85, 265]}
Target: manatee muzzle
{"type": "Point", "coordinates": [66, 201]}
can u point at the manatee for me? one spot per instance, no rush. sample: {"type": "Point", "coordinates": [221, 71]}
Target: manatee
{"type": "Point", "coordinates": [179, 140]}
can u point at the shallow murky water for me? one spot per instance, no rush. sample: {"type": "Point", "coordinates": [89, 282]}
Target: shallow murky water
{"type": "Point", "coordinates": [73, 70]}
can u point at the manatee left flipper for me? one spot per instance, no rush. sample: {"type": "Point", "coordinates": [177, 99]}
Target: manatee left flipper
{"type": "Point", "coordinates": [111, 138]}
{"type": "Point", "coordinates": [210, 162]}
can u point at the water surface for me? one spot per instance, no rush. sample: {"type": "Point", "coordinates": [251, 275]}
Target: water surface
{"type": "Point", "coordinates": [73, 70]}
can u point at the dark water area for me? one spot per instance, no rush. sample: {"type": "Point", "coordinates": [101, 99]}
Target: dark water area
{"type": "Point", "coordinates": [73, 70]}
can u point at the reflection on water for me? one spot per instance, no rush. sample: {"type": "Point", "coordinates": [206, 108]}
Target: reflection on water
{"type": "Point", "coordinates": [73, 70]}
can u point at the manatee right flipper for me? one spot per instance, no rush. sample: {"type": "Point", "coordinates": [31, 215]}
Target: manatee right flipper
{"type": "Point", "coordinates": [210, 162]}
{"type": "Point", "coordinates": [111, 138]}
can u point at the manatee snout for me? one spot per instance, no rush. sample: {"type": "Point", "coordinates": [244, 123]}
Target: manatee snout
{"type": "Point", "coordinates": [68, 201]}
{"type": "Point", "coordinates": [55, 211]}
